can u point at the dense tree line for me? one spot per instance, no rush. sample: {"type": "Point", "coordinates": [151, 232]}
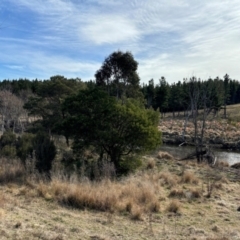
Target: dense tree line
{"type": "Point", "coordinates": [162, 95]}
{"type": "Point", "coordinates": [175, 97]}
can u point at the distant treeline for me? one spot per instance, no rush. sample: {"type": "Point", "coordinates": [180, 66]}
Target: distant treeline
{"type": "Point", "coordinates": [162, 95]}
{"type": "Point", "coordinates": [175, 97]}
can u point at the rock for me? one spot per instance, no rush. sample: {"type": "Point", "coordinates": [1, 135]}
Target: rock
{"type": "Point", "coordinates": [229, 145]}
{"type": "Point", "coordinates": [218, 140]}
{"type": "Point", "coordinates": [238, 209]}
{"type": "Point", "coordinates": [236, 165]}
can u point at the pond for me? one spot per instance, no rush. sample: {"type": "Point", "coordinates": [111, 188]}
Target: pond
{"type": "Point", "coordinates": [180, 152]}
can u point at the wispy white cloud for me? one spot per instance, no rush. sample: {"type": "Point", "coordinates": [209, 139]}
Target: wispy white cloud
{"type": "Point", "coordinates": [175, 38]}
{"type": "Point", "coordinates": [109, 29]}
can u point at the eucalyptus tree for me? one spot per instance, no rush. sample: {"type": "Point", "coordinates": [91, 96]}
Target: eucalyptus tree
{"type": "Point", "coordinates": [114, 129]}
{"type": "Point", "coordinates": [118, 75]}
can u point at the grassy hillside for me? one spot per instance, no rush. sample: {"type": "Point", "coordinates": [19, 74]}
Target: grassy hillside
{"type": "Point", "coordinates": [233, 114]}
{"type": "Point", "coordinates": [167, 199]}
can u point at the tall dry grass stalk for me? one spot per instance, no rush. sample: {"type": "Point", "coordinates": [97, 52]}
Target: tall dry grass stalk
{"type": "Point", "coordinates": [11, 170]}
{"type": "Point", "coordinates": [133, 195]}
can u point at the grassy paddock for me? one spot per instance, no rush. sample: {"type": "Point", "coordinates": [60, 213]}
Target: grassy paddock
{"type": "Point", "coordinates": [233, 114]}
{"type": "Point", "coordinates": [169, 198]}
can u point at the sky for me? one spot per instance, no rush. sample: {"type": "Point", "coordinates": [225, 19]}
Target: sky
{"type": "Point", "coordinates": [176, 38]}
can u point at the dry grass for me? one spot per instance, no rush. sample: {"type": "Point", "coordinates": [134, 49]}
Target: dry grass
{"type": "Point", "coordinates": [151, 163]}
{"type": "Point", "coordinates": [222, 164]}
{"type": "Point", "coordinates": [189, 177]}
{"type": "Point", "coordinates": [164, 155]}
{"type": "Point", "coordinates": [195, 193]}
{"type": "Point", "coordinates": [156, 203]}
{"type": "Point", "coordinates": [174, 206]}
{"type": "Point", "coordinates": [233, 112]}
{"type": "Point", "coordinates": [11, 170]}
{"type": "Point", "coordinates": [169, 179]}
{"type": "Point", "coordinates": [177, 193]}
{"type": "Point", "coordinates": [137, 213]}
{"type": "Point", "coordinates": [106, 195]}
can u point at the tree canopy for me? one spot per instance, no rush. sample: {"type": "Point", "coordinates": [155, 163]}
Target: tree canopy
{"type": "Point", "coordinates": [118, 75]}
{"type": "Point", "coordinates": [114, 129]}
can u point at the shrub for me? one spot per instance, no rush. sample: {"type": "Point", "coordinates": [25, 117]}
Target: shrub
{"type": "Point", "coordinates": [45, 152]}
{"type": "Point", "coordinates": [129, 164]}
{"type": "Point", "coordinates": [8, 138]}
{"type": "Point", "coordinates": [9, 151]}
{"type": "Point", "coordinates": [25, 146]}
{"type": "Point", "coordinates": [8, 144]}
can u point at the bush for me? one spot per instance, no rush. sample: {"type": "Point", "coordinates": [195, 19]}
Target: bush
{"type": "Point", "coordinates": [45, 152]}
{"type": "Point", "coordinates": [25, 146]}
{"type": "Point", "coordinates": [129, 164]}
{"type": "Point", "coordinates": [8, 144]}
{"type": "Point", "coordinates": [8, 138]}
{"type": "Point", "coordinates": [9, 151]}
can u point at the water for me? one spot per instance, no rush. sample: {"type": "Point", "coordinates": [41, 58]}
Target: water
{"type": "Point", "coordinates": [180, 152]}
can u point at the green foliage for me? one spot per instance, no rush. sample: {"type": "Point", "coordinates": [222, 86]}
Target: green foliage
{"type": "Point", "coordinates": [115, 129]}
{"type": "Point", "coordinates": [8, 144]}
{"type": "Point", "coordinates": [8, 138]}
{"type": "Point", "coordinates": [118, 75]}
{"type": "Point", "coordinates": [25, 146]}
{"type": "Point", "coordinates": [162, 95]}
{"type": "Point", "coordinates": [45, 152]}
{"type": "Point", "coordinates": [130, 164]}
{"type": "Point", "coordinates": [9, 151]}
{"type": "Point", "coordinates": [47, 103]}
{"type": "Point", "coordinates": [175, 97]}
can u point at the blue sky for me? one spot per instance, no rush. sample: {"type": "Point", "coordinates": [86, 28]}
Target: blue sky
{"type": "Point", "coordinates": [174, 38]}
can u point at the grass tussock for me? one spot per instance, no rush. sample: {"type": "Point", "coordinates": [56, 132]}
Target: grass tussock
{"type": "Point", "coordinates": [137, 213]}
{"type": "Point", "coordinates": [151, 163]}
{"type": "Point", "coordinates": [195, 193]}
{"type": "Point", "coordinates": [164, 155]}
{"type": "Point", "coordinates": [222, 164]}
{"type": "Point", "coordinates": [189, 177]}
{"type": "Point", "coordinates": [174, 206]}
{"type": "Point", "coordinates": [169, 178]}
{"type": "Point", "coordinates": [177, 193]}
{"type": "Point", "coordinates": [106, 195]}
{"type": "Point", "coordinates": [188, 193]}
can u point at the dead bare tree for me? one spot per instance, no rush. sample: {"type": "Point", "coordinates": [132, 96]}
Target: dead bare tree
{"type": "Point", "coordinates": [201, 103]}
{"type": "Point", "coordinates": [11, 109]}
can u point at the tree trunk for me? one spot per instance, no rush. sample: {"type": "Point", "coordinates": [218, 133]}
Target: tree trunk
{"type": "Point", "coordinates": [115, 158]}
